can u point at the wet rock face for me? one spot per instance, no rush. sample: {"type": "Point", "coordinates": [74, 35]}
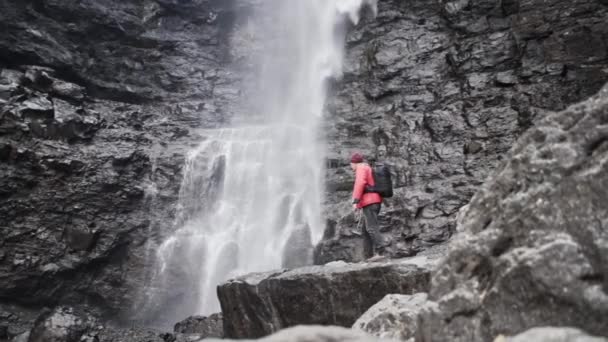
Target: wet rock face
{"type": "Point", "coordinates": [444, 89]}
{"type": "Point", "coordinates": [62, 325]}
{"type": "Point", "coordinates": [98, 106]}
{"type": "Point", "coordinates": [534, 237]}
{"type": "Point", "coordinates": [335, 294]}
{"type": "Point", "coordinates": [531, 250]}
{"type": "Point", "coordinates": [210, 326]}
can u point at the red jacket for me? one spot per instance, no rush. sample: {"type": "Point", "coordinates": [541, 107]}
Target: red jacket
{"type": "Point", "coordinates": [363, 177]}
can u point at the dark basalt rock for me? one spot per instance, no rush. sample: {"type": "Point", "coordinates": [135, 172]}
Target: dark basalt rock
{"type": "Point", "coordinates": [441, 91]}
{"type": "Point", "coordinates": [62, 324]}
{"type": "Point", "coordinates": [531, 248]}
{"type": "Point", "coordinates": [335, 294]}
{"type": "Point", "coordinates": [98, 104]}
{"type": "Point", "coordinates": [100, 101]}
{"type": "Point", "coordinates": [211, 326]}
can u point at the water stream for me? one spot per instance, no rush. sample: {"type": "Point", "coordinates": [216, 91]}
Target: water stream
{"type": "Point", "coordinates": [251, 195]}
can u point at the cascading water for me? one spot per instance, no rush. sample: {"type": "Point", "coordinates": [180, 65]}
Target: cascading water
{"type": "Point", "coordinates": [251, 195]}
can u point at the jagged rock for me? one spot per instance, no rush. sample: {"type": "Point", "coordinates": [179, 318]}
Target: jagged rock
{"type": "Point", "coordinates": [395, 316]}
{"type": "Point", "coordinates": [81, 84]}
{"type": "Point", "coordinates": [79, 238]}
{"type": "Point", "coordinates": [262, 303]}
{"type": "Point", "coordinates": [531, 250]}
{"type": "Point", "coordinates": [62, 324]}
{"type": "Point", "coordinates": [68, 90]}
{"type": "Point", "coordinates": [37, 107]}
{"type": "Point", "coordinates": [211, 326]}
{"type": "Point", "coordinates": [552, 334]}
{"type": "Point", "coordinates": [313, 333]}
{"type": "Point", "coordinates": [446, 88]}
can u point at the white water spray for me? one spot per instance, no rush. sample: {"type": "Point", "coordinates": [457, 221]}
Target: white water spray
{"type": "Point", "coordinates": [251, 195]}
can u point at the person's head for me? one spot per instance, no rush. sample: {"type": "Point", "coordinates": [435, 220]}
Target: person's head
{"type": "Point", "coordinates": [355, 159]}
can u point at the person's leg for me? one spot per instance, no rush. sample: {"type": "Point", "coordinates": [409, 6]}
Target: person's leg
{"type": "Point", "coordinates": [373, 227]}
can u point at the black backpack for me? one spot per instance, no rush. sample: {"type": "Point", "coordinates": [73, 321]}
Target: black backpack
{"type": "Point", "coordinates": [382, 178]}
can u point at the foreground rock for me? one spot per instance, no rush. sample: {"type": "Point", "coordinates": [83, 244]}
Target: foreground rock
{"type": "Point", "coordinates": [533, 245]}
{"type": "Point", "coordinates": [210, 326]}
{"type": "Point", "coordinates": [335, 294]}
{"type": "Point", "coordinates": [395, 316]}
{"type": "Point", "coordinates": [315, 333]}
{"type": "Point", "coordinates": [552, 334]}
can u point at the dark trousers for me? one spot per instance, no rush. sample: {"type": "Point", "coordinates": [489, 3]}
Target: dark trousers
{"type": "Point", "coordinates": [373, 227]}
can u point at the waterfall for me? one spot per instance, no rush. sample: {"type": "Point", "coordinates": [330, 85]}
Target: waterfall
{"type": "Point", "coordinates": [251, 195]}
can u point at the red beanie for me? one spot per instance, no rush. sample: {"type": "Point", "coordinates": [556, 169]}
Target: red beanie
{"type": "Point", "coordinates": [356, 158]}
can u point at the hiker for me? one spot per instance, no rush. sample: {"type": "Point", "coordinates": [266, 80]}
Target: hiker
{"type": "Point", "coordinates": [368, 202]}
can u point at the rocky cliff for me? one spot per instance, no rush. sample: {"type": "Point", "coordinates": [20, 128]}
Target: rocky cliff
{"type": "Point", "coordinates": [100, 101]}
{"type": "Point", "coordinates": [441, 90]}
{"type": "Point", "coordinates": [531, 249]}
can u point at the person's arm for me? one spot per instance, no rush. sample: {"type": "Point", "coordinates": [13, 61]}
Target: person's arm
{"type": "Point", "coordinates": [359, 186]}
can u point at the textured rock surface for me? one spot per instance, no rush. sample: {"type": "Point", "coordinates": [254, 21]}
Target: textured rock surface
{"type": "Point", "coordinates": [62, 324]}
{"type": "Point", "coordinates": [552, 334]}
{"type": "Point", "coordinates": [445, 88]}
{"type": "Point", "coordinates": [395, 316]}
{"type": "Point", "coordinates": [334, 294]}
{"type": "Point", "coordinates": [99, 102]}
{"type": "Point", "coordinates": [531, 250]}
{"type": "Point", "coordinates": [210, 326]}
{"type": "Point", "coordinates": [314, 333]}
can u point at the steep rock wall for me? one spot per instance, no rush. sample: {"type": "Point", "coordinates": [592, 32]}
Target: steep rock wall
{"type": "Point", "coordinates": [99, 103]}
{"type": "Point", "coordinates": [441, 90]}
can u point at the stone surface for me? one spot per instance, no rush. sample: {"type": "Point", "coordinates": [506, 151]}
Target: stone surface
{"type": "Point", "coordinates": [101, 100]}
{"type": "Point", "coordinates": [99, 103]}
{"type": "Point", "coordinates": [62, 324]}
{"type": "Point", "coordinates": [442, 90]}
{"type": "Point", "coordinates": [394, 317]}
{"type": "Point", "coordinates": [531, 248]}
{"type": "Point", "coordinates": [211, 326]}
{"type": "Point", "coordinates": [313, 333]}
{"type": "Point", "coordinates": [334, 294]}
{"type": "Point", "coordinates": [552, 334]}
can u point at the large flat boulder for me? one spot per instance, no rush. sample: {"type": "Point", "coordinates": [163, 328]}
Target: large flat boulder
{"type": "Point", "coordinates": [532, 248]}
{"type": "Point", "coordinates": [314, 333]}
{"type": "Point", "coordinates": [335, 294]}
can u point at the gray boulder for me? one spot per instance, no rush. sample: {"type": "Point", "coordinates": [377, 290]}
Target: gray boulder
{"type": "Point", "coordinates": [532, 248]}
{"type": "Point", "coordinates": [395, 316]}
{"type": "Point", "coordinates": [210, 326]}
{"type": "Point", "coordinates": [314, 333]}
{"type": "Point", "coordinates": [335, 294]}
{"type": "Point", "coordinates": [552, 334]}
